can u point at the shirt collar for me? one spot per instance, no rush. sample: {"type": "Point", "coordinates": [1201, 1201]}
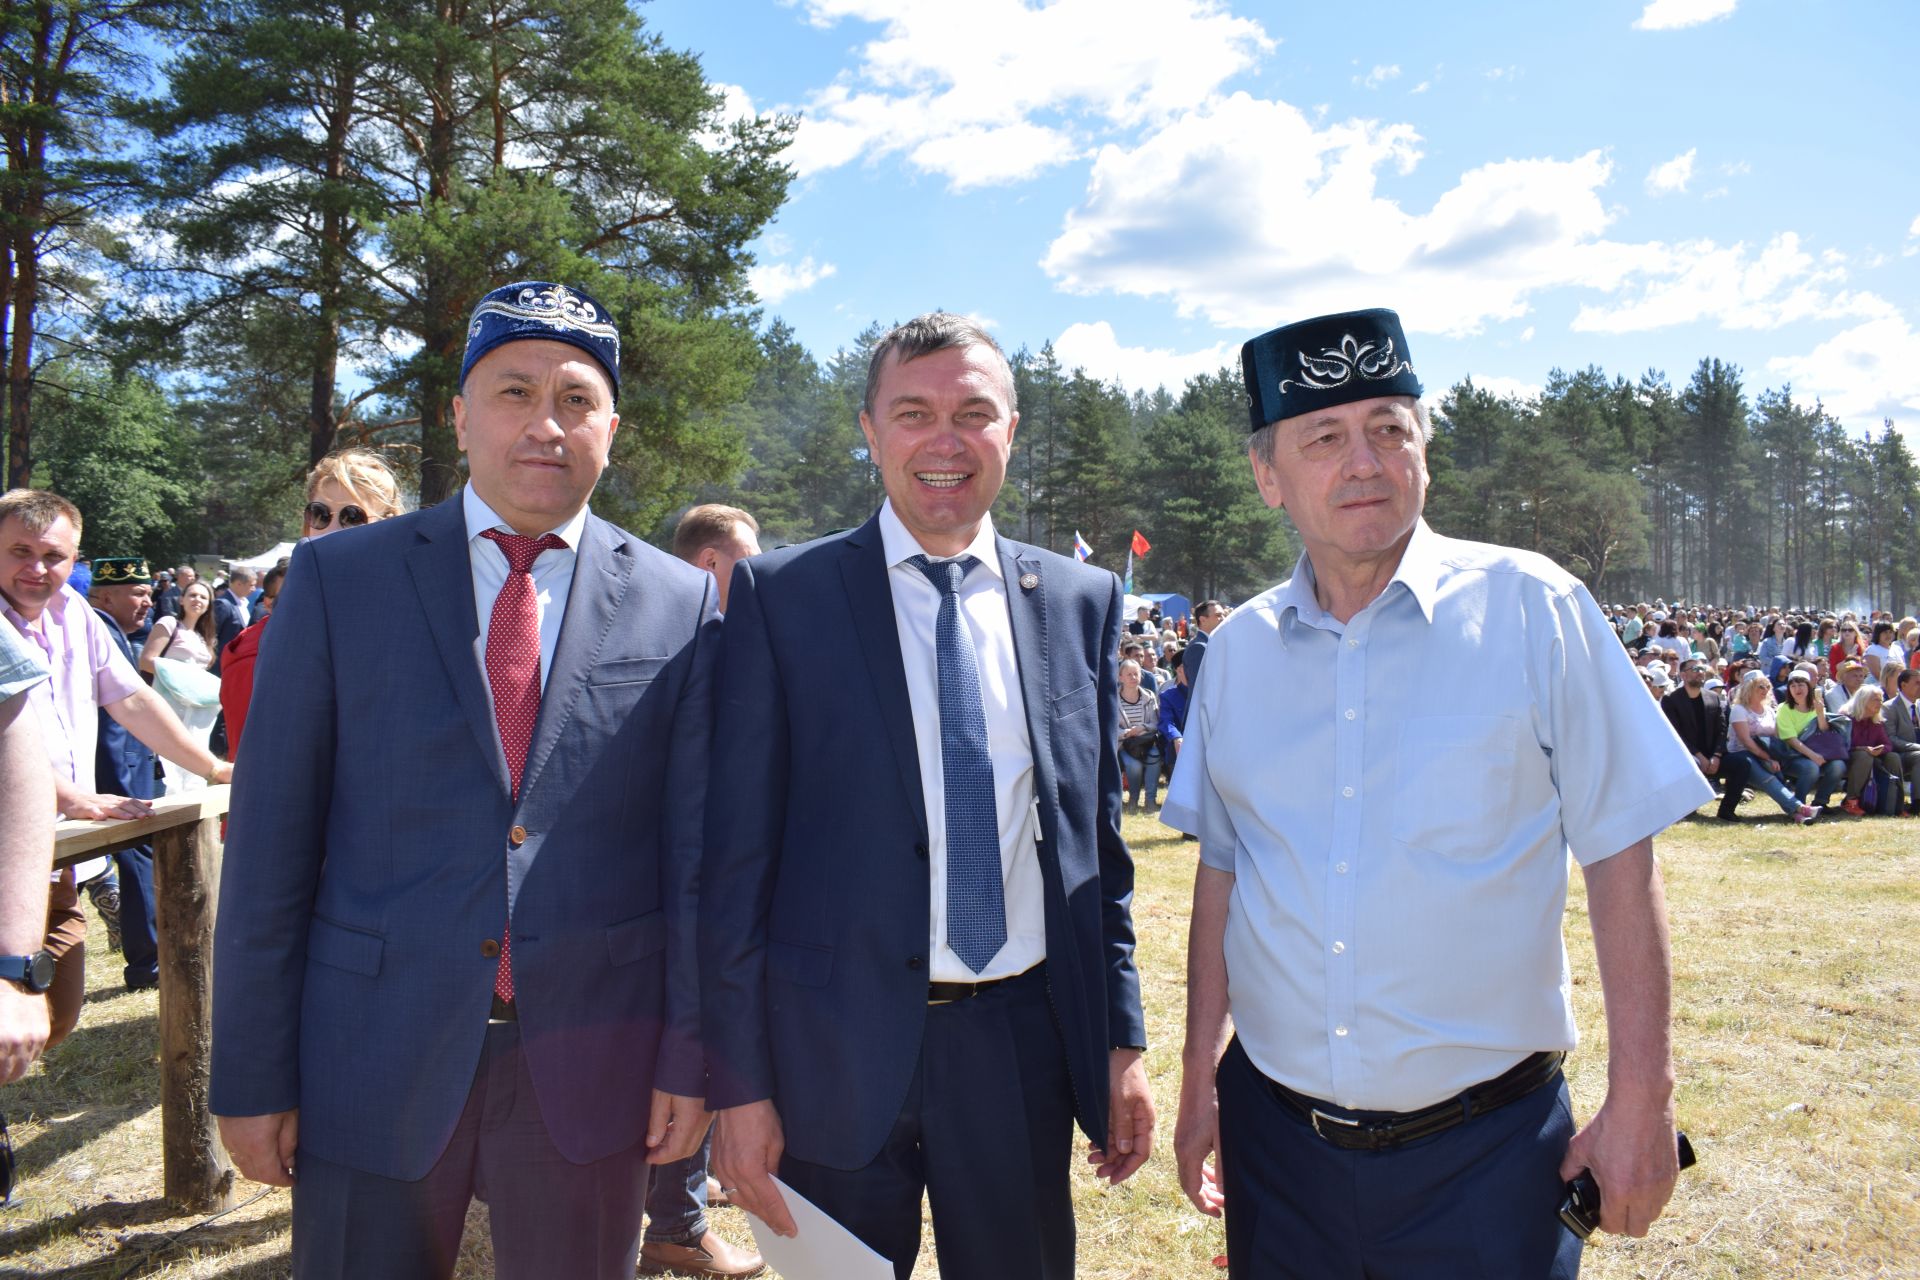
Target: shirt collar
{"type": "Point", "coordinates": [481, 517]}
{"type": "Point", "coordinates": [57, 606]}
{"type": "Point", "coordinates": [899, 546]}
{"type": "Point", "coordinates": [1419, 572]}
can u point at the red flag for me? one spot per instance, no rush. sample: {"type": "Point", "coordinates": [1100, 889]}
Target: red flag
{"type": "Point", "coordinates": [1140, 544]}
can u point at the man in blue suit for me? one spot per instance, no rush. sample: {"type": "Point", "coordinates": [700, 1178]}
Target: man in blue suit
{"type": "Point", "coordinates": [122, 594]}
{"type": "Point", "coordinates": [491, 713]}
{"type": "Point", "coordinates": [920, 973]}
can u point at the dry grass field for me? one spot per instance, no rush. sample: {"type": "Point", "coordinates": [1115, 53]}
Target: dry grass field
{"type": "Point", "coordinates": [1797, 1009]}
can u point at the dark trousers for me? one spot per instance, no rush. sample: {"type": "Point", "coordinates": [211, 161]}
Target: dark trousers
{"type": "Point", "coordinates": [1478, 1202]}
{"type": "Point", "coordinates": [550, 1217]}
{"type": "Point", "coordinates": [677, 1197]}
{"type": "Point", "coordinates": [1732, 777]}
{"type": "Point", "coordinates": [986, 1131]}
{"type": "Point", "coordinates": [139, 940]}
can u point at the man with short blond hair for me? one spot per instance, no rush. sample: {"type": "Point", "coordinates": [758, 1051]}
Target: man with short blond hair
{"type": "Point", "coordinates": [715, 537]}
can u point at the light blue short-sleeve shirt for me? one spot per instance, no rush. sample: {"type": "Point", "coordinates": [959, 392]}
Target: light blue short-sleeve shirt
{"type": "Point", "coordinates": [1396, 798]}
{"type": "Point", "coordinates": [20, 670]}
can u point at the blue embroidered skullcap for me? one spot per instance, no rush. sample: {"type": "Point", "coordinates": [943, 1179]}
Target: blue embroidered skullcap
{"type": "Point", "coordinates": [554, 312]}
{"type": "Point", "coordinates": [1328, 360]}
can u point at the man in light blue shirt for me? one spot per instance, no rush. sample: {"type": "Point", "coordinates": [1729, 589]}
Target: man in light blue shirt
{"type": "Point", "coordinates": [1387, 765]}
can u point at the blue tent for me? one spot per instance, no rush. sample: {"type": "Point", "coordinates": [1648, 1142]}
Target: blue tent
{"type": "Point", "coordinates": [1172, 607]}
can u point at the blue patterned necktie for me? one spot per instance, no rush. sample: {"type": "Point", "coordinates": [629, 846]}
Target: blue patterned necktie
{"type": "Point", "coordinates": [976, 897]}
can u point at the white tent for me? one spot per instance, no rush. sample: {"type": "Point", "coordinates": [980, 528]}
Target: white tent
{"type": "Point", "coordinates": [266, 559]}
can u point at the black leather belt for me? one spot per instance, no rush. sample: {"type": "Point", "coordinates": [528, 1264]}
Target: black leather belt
{"type": "Point", "coordinates": [948, 992]}
{"type": "Point", "coordinates": [503, 1011]}
{"type": "Point", "coordinates": [1385, 1132]}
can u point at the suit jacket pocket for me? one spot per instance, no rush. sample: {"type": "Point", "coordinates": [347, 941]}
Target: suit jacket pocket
{"type": "Point", "coordinates": [625, 670]}
{"type": "Point", "coordinates": [1074, 701]}
{"type": "Point", "coordinates": [342, 948]}
{"type": "Point", "coordinates": [800, 963]}
{"type": "Point", "coordinates": [632, 941]}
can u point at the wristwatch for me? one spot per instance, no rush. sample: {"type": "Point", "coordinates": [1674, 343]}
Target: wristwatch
{"type": "Point", "coordinates": [34, 972]}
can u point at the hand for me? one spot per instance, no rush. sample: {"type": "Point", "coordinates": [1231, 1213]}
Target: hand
{"type": "Point", "coordinates": [747, 1143]}
{"type": "Point", "coordinates": [1631, 1149]}
{"type": "Point", "coordinates": [1773, 766]}
{"type": "Point", "coordinates": [93, 807]}
{"type": "Point", "coordinates": [262, 1146]}
{"type": "Point", "coordinates": [23, 1030]}
{"type": "Point", "coordinates": [1129, 1119]}
{"type": "Point", "coordinates": [222, 773]}
{"type": "Point", "coordinates": [1196, 1137]}
{"type": "Point", "coordinates": [675, 1126]}
{"type": "Point", "coordinates": [1713, 764]}
{"type": "Point", "coordinates": [1876, 751]}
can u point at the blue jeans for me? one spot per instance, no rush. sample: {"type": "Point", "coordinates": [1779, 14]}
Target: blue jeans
{"type": "Point", "coordinates": [677, 1197]}
{"type": "Point", "coordinates": [1802, 774]}
{"type": "Point", "coordinates": [1142, 773]}
{"type": "Point", "coordinates": [1767, 780]}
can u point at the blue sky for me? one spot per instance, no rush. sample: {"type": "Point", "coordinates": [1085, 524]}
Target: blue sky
{"type": "Point", "coordinates": [1147, 183]}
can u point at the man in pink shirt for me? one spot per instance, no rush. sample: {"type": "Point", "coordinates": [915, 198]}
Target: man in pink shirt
{"type": "Point", "coordinates": [39, 537]}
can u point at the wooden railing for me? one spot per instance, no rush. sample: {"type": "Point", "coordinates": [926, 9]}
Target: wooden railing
{"type": "Point", "coordinates": [185, 834]}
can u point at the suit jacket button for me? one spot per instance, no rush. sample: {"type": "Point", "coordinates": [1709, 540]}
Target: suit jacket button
{"type": "Point", "coordinates": [920, 851]}
{"type": "Point", "coordinates": [915, 962]}
{"type": "Point", "coordinates": [517, 836]}
{"type": "Point", "coordinates": [490, 949]}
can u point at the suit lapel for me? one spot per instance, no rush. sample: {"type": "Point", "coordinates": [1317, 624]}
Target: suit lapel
{"type": "Point", "coordinates": [443, 575]}
{"type": "Point", "coordinates": [602, 575]}
{"type": "Point", "coordinates": [1027, 612]}
{"type": "Point", "coordinates": [863, 568]}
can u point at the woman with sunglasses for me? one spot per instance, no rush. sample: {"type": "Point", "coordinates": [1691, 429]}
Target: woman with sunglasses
{"type": "Point", "coordinates": [345, 490]}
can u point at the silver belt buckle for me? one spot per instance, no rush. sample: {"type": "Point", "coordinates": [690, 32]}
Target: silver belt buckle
{"type": "Point", "coordinates": [1318, 1115]}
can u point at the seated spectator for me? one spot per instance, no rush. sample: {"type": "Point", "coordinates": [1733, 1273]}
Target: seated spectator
{"type": "Point", "coordinates": [1880, 651]}
{"type": "Point", "coordinates": [1872, 752]}
{"type": "Point", "coordinates": [1824, 637]}
{"type": "Point", "coordinates": [1846, 683]}
{"type": "Point", "coordinates": [1139, 738]}
{"type": "Point", "coordinates": [1750, 724]}
{"type": "Point", "coordinates": [1846, 647]}
{"type": "Point", "coordinates": [1807, 770]}
{"type": "Point", "coordinates": [1699, 716]}
{"type": "Point", "coordinates": [1902, 711]}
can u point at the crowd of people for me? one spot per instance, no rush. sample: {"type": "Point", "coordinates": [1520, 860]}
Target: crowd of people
{"type": "Point", "coordinates": [1802, 706]}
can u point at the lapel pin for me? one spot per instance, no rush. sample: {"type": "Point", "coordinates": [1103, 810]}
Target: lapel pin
{"type": "Point", "coordinates": [1028, 581]}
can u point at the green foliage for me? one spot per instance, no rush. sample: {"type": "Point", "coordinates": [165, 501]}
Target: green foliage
{"type": "Point", "coordinates": [114, 447]}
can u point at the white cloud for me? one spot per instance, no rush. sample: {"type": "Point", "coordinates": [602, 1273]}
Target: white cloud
{"type": "Point", "coordinates": [1377, 77]}
{"type": "Point", "coordinates": [1422, 87]}
{"type": "Point", "coordinates": [1505, 387]}
{"type": "Point", "coordinates": [1673, 176]}
{"type": "Point", "coordinates": [1095, 348]}
{"type": "Point", "coordinates": [1526, 334]}
{"type": "Point", "coordinates": [1913, 228]}
{"type": "Point", "coordinates": [772, 282]}
{"type": "Point", "coordinates": [1301, 225]}
{"type": "Point", "coordinates": [999, 90]}
{"type": "Point", "coordinates": [1671, 15]}
{"type": "Point", "coordinates": [1862, 375]}
{"type": "Point", "coordinates": [1740, 289]}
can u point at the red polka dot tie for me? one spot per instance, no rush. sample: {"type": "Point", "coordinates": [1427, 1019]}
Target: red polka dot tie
{"type": "Point", "coordinates": [513, 675]}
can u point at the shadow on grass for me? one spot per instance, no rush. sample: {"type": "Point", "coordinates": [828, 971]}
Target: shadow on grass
{"type": "Point", "coordinates": [100, 1216]}
{"type": "Point", "coordinates": [147, 1253]}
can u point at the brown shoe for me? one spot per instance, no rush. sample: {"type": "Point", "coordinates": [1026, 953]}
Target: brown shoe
{"type": "Point", "coordinates": [710, 1255]}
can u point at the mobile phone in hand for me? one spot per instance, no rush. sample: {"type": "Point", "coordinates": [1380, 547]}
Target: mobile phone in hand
{"type": "Point", "coordinates": [1581, 1209]}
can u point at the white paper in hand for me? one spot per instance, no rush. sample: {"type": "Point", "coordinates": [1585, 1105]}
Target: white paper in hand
{"type": "Point", "coordinates": [823, 1249]}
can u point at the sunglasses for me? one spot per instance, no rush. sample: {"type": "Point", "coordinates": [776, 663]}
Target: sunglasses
{"type": "Point", "coordinates": [320, 515]}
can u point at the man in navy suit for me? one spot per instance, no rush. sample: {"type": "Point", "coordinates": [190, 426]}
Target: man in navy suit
{"type": "Point", "coordinates": [921, 974]}
{"type": "Point", "coordinates": [122, 595]}
{"type": "Point", "coordinates": [455, 947]}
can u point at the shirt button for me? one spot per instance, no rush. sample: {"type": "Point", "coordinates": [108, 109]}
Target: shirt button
{"type": "Point", "coordinates": [1349, 713]}
{"type": "Point", "coordinates": [1340, 868]}
{"type": "Point", "coordinates": [1340, 1031]}
{"type": "Point", "coordinates": [1339, 948]}
{"type": "Point", "coordinates": [1347, 791]}
{"type": "Point", "coordinates": [490, 949]}
{"type": "Point", "coordinates": [517, 836]}
{"type": "Point", "coordinates": [1353, 642]}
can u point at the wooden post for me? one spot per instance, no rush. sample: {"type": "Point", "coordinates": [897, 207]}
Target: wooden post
{"type": "Point", "coordinates": [187, 886]}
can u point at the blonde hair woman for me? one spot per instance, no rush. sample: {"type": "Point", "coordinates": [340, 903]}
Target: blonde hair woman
{"type": "Point", "coordinates": [1752, 725]}
{"type": "Point", "coordinates": [1872, 748]}
{"type": "Point", "coordinates": [347, 489]}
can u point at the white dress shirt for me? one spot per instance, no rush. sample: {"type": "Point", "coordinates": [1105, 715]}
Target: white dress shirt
{"type": "Point", "coordinates": [983, 607]}
{"type": "Point", "coordinates": [552, 575]}
{"type": "Point", "coordinates": [1396, 798]}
